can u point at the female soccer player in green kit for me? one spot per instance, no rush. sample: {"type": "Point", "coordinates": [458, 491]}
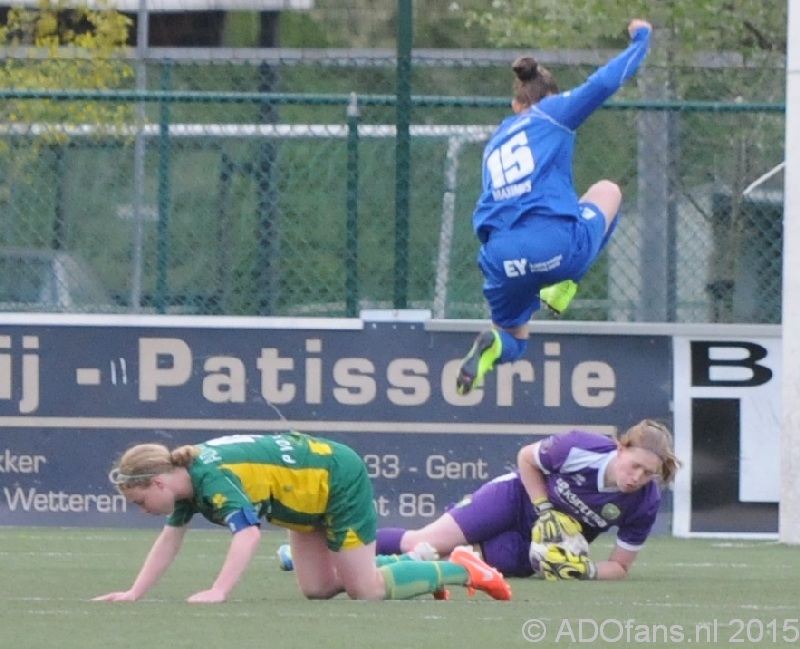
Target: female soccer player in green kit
{"type": "Point", "coordinates": [315, 487]}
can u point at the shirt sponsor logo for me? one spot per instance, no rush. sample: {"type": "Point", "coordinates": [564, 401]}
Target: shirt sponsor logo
{"type": "Point", "coordinates": [586, 512]}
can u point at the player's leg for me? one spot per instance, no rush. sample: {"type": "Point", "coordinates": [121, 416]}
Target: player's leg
{"type": "Point", "coordinates": [511, 292]}
{"type": "Point", "coordinates": [362, 579]}
{"type": "Point", "coordinates": [443, 534]}
{"type": "Point", "coordinates": [494, 508]}
{"type": "Point", "coordinates": [350, 537]}
{"type": "Point", "coordinates": [491, 347]}
{"type": "Point", "coordinates": [355, 562]}
{"type": "Point", "coordinates": [509, 552]}
{"type": "Point", "coordinates": [313, 568]}
{"type": "Point", "coordinates": [603, 198]}
{"type": "Point", "coordinates": [607, 197]}
{"type": "Point", "coordinates": [421, 552]}
{"type": "Point", "coordinates": [359, 574]}
{"type": "Point", "coordinates": [351, 528]}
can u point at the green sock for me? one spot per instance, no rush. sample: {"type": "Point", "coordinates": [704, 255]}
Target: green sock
{"type": "Point", "coordinates": [388, 559]}
{"type": "Point", "coordinates": [406, 579]}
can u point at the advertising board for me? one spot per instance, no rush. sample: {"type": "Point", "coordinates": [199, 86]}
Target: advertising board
{"type": "Point", "coordinates": [76, 391]}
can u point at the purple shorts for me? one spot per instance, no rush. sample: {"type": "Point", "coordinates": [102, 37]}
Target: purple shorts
{"type": "Point", "coordinates": [499, 517]}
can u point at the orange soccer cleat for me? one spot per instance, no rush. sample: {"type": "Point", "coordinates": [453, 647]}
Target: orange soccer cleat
{"type": "Point", "coordinates": [481, 575]}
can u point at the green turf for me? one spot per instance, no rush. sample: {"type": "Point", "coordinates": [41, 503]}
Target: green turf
{"type": "Point", "coordinates": [48, 577]}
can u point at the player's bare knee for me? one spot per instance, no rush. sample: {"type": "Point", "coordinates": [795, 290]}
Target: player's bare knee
{"type": "Point", "coordinates": [606, 194]}
{"type": "Point", "coordinates": [607, 187]}
{"type": "Point", "coordinates": [319, 591]}
{"type": "Point", "coordinates": [372, 592]}
{"type": "Point", "coordinates": [411, 537]}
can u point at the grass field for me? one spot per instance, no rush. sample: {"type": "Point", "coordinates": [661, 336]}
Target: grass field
{"type": "Point", "coordinates": [747, 592]}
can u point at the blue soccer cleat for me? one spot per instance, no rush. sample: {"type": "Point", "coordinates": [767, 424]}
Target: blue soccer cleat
{"type": "Point", "coordinates": [285, 557]}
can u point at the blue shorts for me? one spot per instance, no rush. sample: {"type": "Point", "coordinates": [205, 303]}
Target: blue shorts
{"type": "Point", "coordinates": [519, 262]}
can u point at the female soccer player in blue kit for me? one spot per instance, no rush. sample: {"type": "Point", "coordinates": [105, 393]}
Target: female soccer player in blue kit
{"type": "Point", "coordinates": [315, 487]}
{"type": "Point", "coordinates": [537, 238]}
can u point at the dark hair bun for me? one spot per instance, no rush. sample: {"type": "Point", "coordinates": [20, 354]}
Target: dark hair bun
{"type": "Point", "coordinates": [526, 68]}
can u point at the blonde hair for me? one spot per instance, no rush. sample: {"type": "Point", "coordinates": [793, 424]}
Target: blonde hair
{"type": "Point", "coordinates": [654, 437]}
{"type": "Point", "coordinates": [138, 465]}
{"type": "Point", "coordinates": [533, 81]}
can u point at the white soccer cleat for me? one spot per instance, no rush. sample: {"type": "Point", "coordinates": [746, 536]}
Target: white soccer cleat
{"type": "Point", "coordinates": [424, 551]}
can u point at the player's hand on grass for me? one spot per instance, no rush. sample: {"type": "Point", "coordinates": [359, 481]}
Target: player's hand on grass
{"type": "Point", "coordinates": [210, 596]}
{"type": "Point", "coordinates": [120, 596]}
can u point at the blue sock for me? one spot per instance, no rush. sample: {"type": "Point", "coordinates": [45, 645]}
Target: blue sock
{"type": "Point", "coordinates": [608, 234]}
{"type": "Point", "coordinates": [513, 348]}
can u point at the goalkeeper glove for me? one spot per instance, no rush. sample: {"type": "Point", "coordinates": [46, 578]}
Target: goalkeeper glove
{"type": "Point", "coordinates": [552, 526]}
{"type": "Point", "coordinates": [559, 564]}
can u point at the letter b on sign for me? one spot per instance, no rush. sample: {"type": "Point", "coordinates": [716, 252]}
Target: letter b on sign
{"type": "Point", "coordinates": [728, 364]}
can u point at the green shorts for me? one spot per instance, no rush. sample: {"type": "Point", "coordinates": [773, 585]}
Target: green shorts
{"type": "Point", "coordinates": [350, 518]}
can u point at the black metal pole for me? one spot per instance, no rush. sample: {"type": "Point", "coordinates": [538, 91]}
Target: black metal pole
{"type": "Point", "coordinates": [351, 261]}
{"type": "Point", "coordinates": [268, 232]}
{"type": "Point", "coordinates": [403, 152]}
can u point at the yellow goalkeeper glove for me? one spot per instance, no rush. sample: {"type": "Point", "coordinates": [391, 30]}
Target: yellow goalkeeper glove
{"type": "Point", "coordinates": [559, 564]}
{"type": "Point", "coordinates": [552, 526]}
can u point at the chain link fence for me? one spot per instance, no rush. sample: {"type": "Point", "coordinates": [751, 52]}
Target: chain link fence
{"type": "Point", "coordinates": [266, 185]}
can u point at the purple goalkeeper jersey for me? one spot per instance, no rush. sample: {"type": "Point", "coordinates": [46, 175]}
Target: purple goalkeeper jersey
{"type": "Point", "coordinates": [499, 515]}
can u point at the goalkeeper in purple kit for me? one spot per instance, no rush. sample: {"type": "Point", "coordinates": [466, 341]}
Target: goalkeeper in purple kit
{"type": "Point", "coordinates": [578, 482]}
{"type": "Point", "coordinates": [537, 237]}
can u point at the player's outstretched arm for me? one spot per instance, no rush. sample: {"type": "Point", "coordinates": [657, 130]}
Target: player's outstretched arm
{"type": "Point", "coordinates": [241, 551]}
{"type": "Point", "coordinates": [636, 24]}
{"type": "Point", "coordinates": [573, 108]}
{"type": "Point", "coordinates": [164, 550]}
{"type": "Point", "coordinates": [617, 565]}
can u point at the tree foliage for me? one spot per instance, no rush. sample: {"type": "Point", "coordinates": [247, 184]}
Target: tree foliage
{"type": "Point", "coordinates": [373, 24]}
{"type": "Point", "coordinates": [753, 30]}
{"type": "Point", "coordinates": [54, 47]}
{"type": "Point", "coordinates": [745, 26]}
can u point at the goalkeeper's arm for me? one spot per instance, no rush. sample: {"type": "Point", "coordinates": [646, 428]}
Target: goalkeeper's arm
{"type": "Point", "coordinates": [559, 564]}
{"type": "Point", "coordinates": [551, 525]}
{"type": "Point", "coordinates": [617, 566]}
{"type": "Point", "coordinates": [531, 473]}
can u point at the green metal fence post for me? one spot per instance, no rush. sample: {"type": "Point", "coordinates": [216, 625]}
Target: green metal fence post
{"type": "Point", "coordinates": [60, 222]}
{"type": "Point", "coordinates": [269, 232]}
{"type": "Point", "coordinates": [351, 255]}
{"type": "Point", "coordinates": [162, 288]}
{"type": "Point", "coordinates": [222, 292]}
{"type": "Point", "coordinates": [403, 151]}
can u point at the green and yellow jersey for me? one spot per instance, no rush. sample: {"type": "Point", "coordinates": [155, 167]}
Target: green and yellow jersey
{"type": "Point", "coordinates": [291, 480]}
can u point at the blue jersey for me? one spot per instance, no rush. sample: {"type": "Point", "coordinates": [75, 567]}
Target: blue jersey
{"type": "Point", "coordinates": [527, 164]}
